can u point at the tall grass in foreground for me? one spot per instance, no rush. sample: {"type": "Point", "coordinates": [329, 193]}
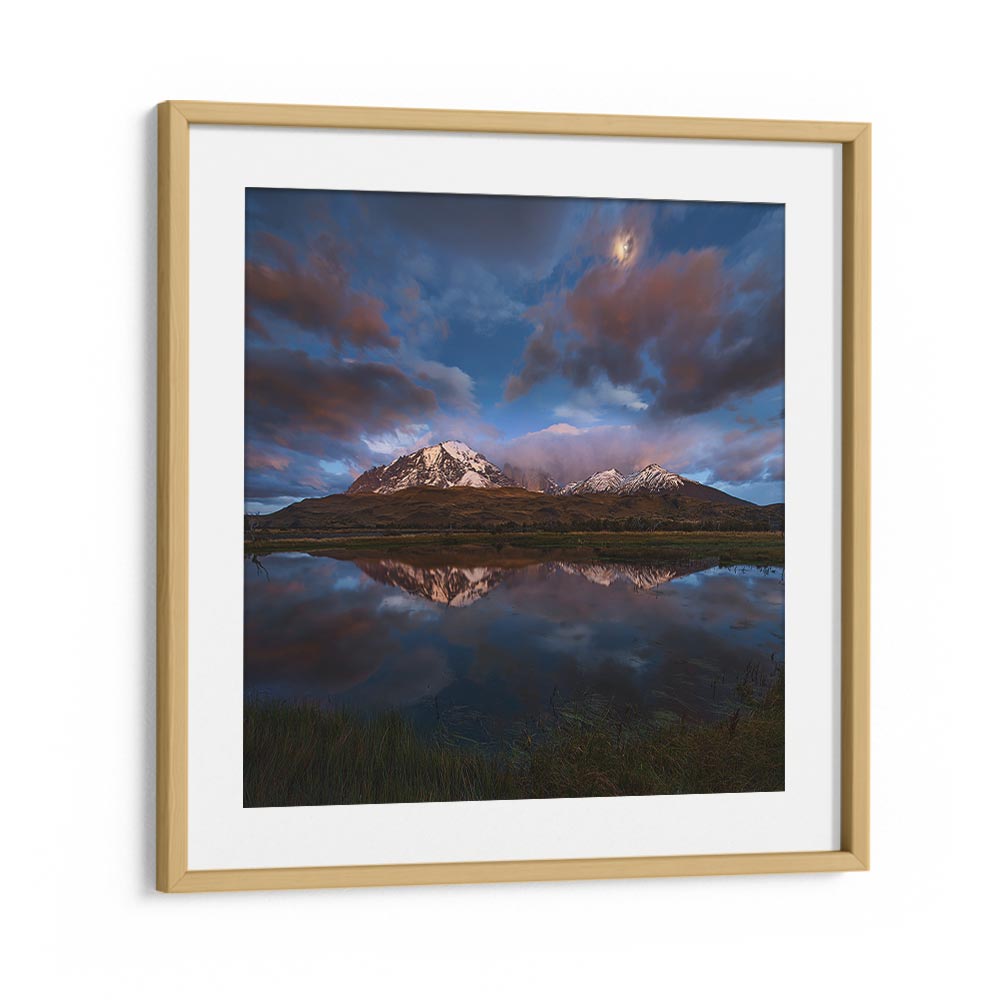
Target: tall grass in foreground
{"type": "Point", "coordinates": [299, 755]}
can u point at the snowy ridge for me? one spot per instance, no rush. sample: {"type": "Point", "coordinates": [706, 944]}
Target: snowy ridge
{"type": "Point", "coordinates": [444, 465]}
{"type": "Point", "coordinates": [609, 481]}
{"type": "Point", "coordinates": [652, 479]}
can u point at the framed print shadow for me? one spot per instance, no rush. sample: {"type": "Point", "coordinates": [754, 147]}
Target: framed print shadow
{"type": "Point", "coordinates": [513, 496]}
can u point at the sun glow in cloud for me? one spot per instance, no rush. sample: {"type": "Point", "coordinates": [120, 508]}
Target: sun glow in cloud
{"type": "Point", "coordinates": [624, 249]}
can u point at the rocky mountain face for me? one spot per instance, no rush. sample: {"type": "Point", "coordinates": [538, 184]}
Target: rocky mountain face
{"type": "Point", "coordinates": [444, 465]}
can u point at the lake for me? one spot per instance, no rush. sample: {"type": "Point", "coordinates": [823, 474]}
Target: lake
{"type": "Point", "coordinates": [486, 649]}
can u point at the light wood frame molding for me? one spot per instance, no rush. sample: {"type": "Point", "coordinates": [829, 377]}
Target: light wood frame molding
{"type": "Point", "coordinates": [175, 120]}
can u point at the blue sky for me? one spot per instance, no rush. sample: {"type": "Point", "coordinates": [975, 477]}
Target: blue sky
{"type": "Point", "coordinates": [556, 336]}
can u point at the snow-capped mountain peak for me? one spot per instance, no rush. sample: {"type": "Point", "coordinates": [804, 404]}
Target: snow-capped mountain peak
{"type": "Point", "coordinates": [461, 452]}
{"type": "Point", "coordinates": [608, 481]}
{"type": "Point", "coordinates": [652, 479]}
{"type": "Point", "coordinates": [443, 465]}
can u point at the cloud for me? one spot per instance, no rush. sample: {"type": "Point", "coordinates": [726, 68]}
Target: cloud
{"type": "Point", "coordinates": [299, 402]}
{"type": "Point", "coordinates": [286, 476]}
{"type": "Point", "coordinates": [442, 293]}
{"type": "Point", "coordinates": [591, 404]}
{"type": "Point", "coordinates": [500, 232]}
{"type": "Point", "coordinates": [687, 330]}
{"type": "Point", "coordinates": [556, 429]}
{"type": "Point", "coordinates": [740, 456]}
{"type": "Point", "coordinates": [452, 386]}
{"type": "Point", "coordinates": [690, 446]}
{"type": "Point", "coordinates": [313, 294]}
{"type": "Point", "coordinates": [399, 440]}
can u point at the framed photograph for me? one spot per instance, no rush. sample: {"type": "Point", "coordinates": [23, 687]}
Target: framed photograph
{"type": "Point", "coordinates": [513, 496]}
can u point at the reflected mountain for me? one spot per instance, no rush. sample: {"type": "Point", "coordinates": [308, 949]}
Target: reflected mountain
{"type": "Point", "coordinates": [460, 586]}
{"type": "Point", "coordinates": [456, 586]}
{"type": "Point", "coordinates": [642, 576]}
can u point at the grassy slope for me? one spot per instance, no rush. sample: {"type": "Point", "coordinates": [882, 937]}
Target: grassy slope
{"type": "Point", "coordinates": [297, 755]}
{"type": "Point", "coordinates": [514, 509]}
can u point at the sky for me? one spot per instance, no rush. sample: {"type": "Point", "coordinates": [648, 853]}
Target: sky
{"type": "Point", "coordinates": [557, 336]}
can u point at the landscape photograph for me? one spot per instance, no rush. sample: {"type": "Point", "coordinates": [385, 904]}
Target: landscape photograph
{"type": "Point", "coordinates": [514, 498]}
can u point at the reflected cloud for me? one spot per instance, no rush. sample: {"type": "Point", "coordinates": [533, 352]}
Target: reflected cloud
{"type": "Point", "coordinates": [496, 644]}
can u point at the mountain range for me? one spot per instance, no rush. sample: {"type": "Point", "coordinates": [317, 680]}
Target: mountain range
{"type": "Point", "coordinates": [451, 464]}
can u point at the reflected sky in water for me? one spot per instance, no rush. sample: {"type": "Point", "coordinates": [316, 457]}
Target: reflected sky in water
{"type": "Point", "coordinates": [496, 645]}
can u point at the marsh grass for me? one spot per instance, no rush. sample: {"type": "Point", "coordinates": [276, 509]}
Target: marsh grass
{"type": "Point", "coordinates": [759, 548]}
{"type": "Point", "coordinates": [300, 755]}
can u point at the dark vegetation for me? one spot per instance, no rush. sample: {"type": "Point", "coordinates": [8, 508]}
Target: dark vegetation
{"type": "Point", "coordinates": [301, 754]}
{"type": "Point", "coordinates": [516, 549]}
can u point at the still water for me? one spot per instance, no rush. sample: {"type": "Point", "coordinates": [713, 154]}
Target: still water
{"type": "Point", "coordinates": [489, 648]}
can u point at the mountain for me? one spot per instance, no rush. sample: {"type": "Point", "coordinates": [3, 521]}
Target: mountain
{"type": "Point", "coordinates": [609, 481]}
{"type": "Point", "coordinates": [653, 479]}
{"type": "Point", "coordinates": [443, 466]}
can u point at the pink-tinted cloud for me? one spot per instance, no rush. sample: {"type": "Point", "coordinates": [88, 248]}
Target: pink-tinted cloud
{"type": "Point", "coordinates": [687, 446]}
{"type": "Point", "coordinates": [687, 330]}
{"type": "Point", "coordinates": [313, 293]}
{"type": "Point", "coordinates": [299, 402]}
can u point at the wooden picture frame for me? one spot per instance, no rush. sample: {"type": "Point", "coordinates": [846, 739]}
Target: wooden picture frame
{"type": "Point", "coordinates": [175, 121]}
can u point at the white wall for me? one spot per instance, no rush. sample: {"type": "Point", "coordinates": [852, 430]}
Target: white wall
{"type": "Point", "coordinates": [80, 82]}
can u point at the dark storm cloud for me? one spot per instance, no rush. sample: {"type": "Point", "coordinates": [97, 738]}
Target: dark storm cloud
{"type": "Point", "coordinates": [296, 401]}
{"type": "Point", "coordinates": [313, 292]}
{"type": "Point", "coordinates": [271, 471]}
{"type": "Point", "coordinates": [710, 333]}
{"type": "Point", "coordinates": [500, 231]}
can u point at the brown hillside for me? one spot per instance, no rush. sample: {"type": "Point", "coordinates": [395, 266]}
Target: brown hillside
{"type": "Point", "coordinates": [460, 508]}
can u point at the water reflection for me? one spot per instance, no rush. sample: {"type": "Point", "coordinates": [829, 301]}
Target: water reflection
{"type": "Point", "coordinates": [496, 643]}
{"type": "Point", "coordinates": [459, 586]}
